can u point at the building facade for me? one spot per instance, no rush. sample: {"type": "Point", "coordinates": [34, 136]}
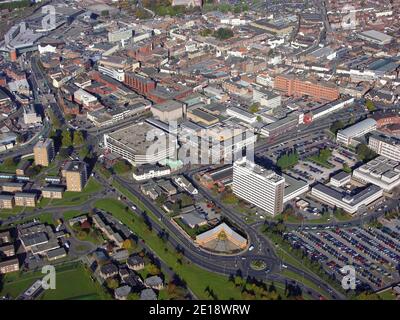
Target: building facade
{"type": "Point", "coordinates": [259, 186]}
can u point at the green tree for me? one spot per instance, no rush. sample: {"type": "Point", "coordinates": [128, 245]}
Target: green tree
{"type": "Point", "coordinates": [66, 138]}
{"type": "Point", "coordinates": [346, 168]}
{"type": "Point", "coordinates": [133, 296]}
{"type": "Point", "coordinates": [370, 106]}
{"type": "Point", "coordinates": [254, 108]}
{"type": "Point", "coordinates": [112, 283]}
{"type": "Point", "coordinates": [336, 126]}
{"type": "Point", "coordinates": [223, 33]}
{"type": "Point", "coordinates": [152, 269]}
{"type": "Point", "coordinates": [78, 138]}
{"type": "Point", "coordinates": [364, 153]}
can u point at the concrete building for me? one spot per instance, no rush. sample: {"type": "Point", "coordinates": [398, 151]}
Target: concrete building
{"type": "Point", "coordinates": [346, 136]}
{"type": "Point", "coordinates": [388, 147]}
{"type": "Point", "coordinates": [376, 37]}
{"type": "Point", "coordinates": [294, 188]}
{"type": "Point", "coordinates": [12, 186]}
{"type": "Point", "coordinates": [168, 111]}
{"type": "Point", "coordinates": [241, 114]}
{"type": "Point", "coordinates": [31, 116]}
{"type": "Point", "coordinates": [382, 171]}
{"type": "Point", "coordinates": [120, 35]}
{"type": "Point", "coordinates": [25, 199]}
{"type": "Point", "coordinates": [132, 144]}
{"type": "Point", "coordinates": [8, 266]}
{"type": "Point", "coordinates": [53, 192]}
{"type": "Point", "coordinates": [340, 179]}
{"type": "Point", "coordinates": [44, 152]}
{"type": "Point", "coordinates": [75, 173]}
{"type": "Point", "coordinates": [258, 186]}
{"type": "Point", "coordinates": [6, 201]}
{"type": "Point", "coordinates": [148, 171]}
{"type": "Point", "coordinates": [351, 203]}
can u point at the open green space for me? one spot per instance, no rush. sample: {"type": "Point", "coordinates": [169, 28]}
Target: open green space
{"type": "Point", "coordinates": [73, 282]}
{"type": "Point", "coordinates": [77, 198]}
{"type": "Point", "coordinates": [387, 295]}
{"type": "Point", "coordinates": [306, 282]}
{"type": "Point", "coordinates": [196, 278]}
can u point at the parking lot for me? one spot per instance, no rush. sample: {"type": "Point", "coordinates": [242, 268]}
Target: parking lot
{"type": "Point", "coordinates": [375, 253]}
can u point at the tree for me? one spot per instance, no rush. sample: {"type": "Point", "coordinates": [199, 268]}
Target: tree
{"type": "Point", "coordinates": [254, 108]}
{"type": "Point", "coordinates": [66, 138]}
{"type": "Point", "coordinates": [206, 32]}
{"type": "Point", "coordinates": [128, 244]}
{"type": "Point", "coordinates": [370, 106]}
{"type": "Point", "coordinates": [84, 152]}
{"type": "Point", "coordinates": [223, 33]}
{"type": "Point", "coordinates": [287, 160]}
{"type": "Point", "coordinates": [133, 296]}
{"type": "Point", "coordinates": [364, 153]}
{"type": "Point", "coordinates": [346, 168]}
{"type": "Point", "coordinates": [112, 283]}
{"type": "Point", "coordinates": [153, 269]}
{"type": "Point", "coordinates": [336, 126]}
{"type": "Point", "coordinates": [78, 138]}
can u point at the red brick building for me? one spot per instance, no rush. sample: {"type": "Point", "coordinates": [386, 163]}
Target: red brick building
{"type": "Point", "coordinates": [139, 83]}
{"type": "Point", "coordinates": [298, 88]}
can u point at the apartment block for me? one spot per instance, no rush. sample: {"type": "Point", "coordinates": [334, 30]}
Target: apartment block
{"type": "Point", "coordinates": [75, 174]}
{"type": "Point", "coordinates": [44, 152]}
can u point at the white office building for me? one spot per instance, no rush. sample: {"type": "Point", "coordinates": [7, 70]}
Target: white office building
{"type": "Point", "coordinates": [381, 171]}
{"type": "Point", "coordinates": [388, 147]}
{"type": "Point", "coordinates": [258, 186]}
{"type": "Point", "coordinates": [351, 203]}
{"type": "Point", "coordinates": [359, 129]}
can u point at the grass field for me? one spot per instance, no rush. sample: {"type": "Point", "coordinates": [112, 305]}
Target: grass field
{"type": "Point", "coordinates": [387, 295]}
{"type": "Point", "coordinates": [196, 278]}
{"type": "Point", "coordinates": [76, 198]}
{"type": "Point", "coordinates": [73, 282]}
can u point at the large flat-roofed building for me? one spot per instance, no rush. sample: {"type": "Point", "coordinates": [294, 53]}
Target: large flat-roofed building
{"type": "Point", "coordinates": [258, 186]}
{"type": "Point", "coordinates": [25, 199]}
{"type": "Point", "coordinates": [277, 28]}
{"type": "Point", "coordinates": [168, 111]}
{"type": "Point", "coordinates": [359, 129]}
{"type": "Point", "coordinates": [381, 171]}
{"type": "Point", "coordinates": [141, 143]}
{"type": "Point", "coordinates": [351, 203]}
{"type": "Point", "coordinates": [44, 152]}
{"type": "Point", "coordinates": [319, 91]}
{"type": "Point", "coordinates": [75, 173]}
{"type": "Point", "coordinates": [6, 201]}
{"type": "Point", "coordinates": [388, 147]}
{"type": "Point", "coordinates": [241, 114]}
{"type": "Point", "coordinates": [138, 82]}
{"type": "Point", "coordinates": [376, 37]}
{"type": "Point", "coordinates": [200, 116]}
{"type": "Point", "coordinates": [120, 35]}
{"type": "Point", "coordinates": [294, 188]}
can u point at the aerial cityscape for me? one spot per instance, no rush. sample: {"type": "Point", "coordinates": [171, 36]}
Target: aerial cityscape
{"type": "Point", "coordinates": [200, 150]}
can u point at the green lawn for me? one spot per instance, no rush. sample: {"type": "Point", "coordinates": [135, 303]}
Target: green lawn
{"type": "Point", "coordinates": [387, 295]}
{"type": "Point", "coordinates": [72, 282]}
{"type": "Point", "coordinates": [196, 278]}
{"type": "Point", "coordinates": [72, 214]}
{"type": "Point", "coordinates": [76, 198]}
{"type": "Point", "coordinates": [306, 282]}
{"type": "Point", "coordinates": [343, 216]}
